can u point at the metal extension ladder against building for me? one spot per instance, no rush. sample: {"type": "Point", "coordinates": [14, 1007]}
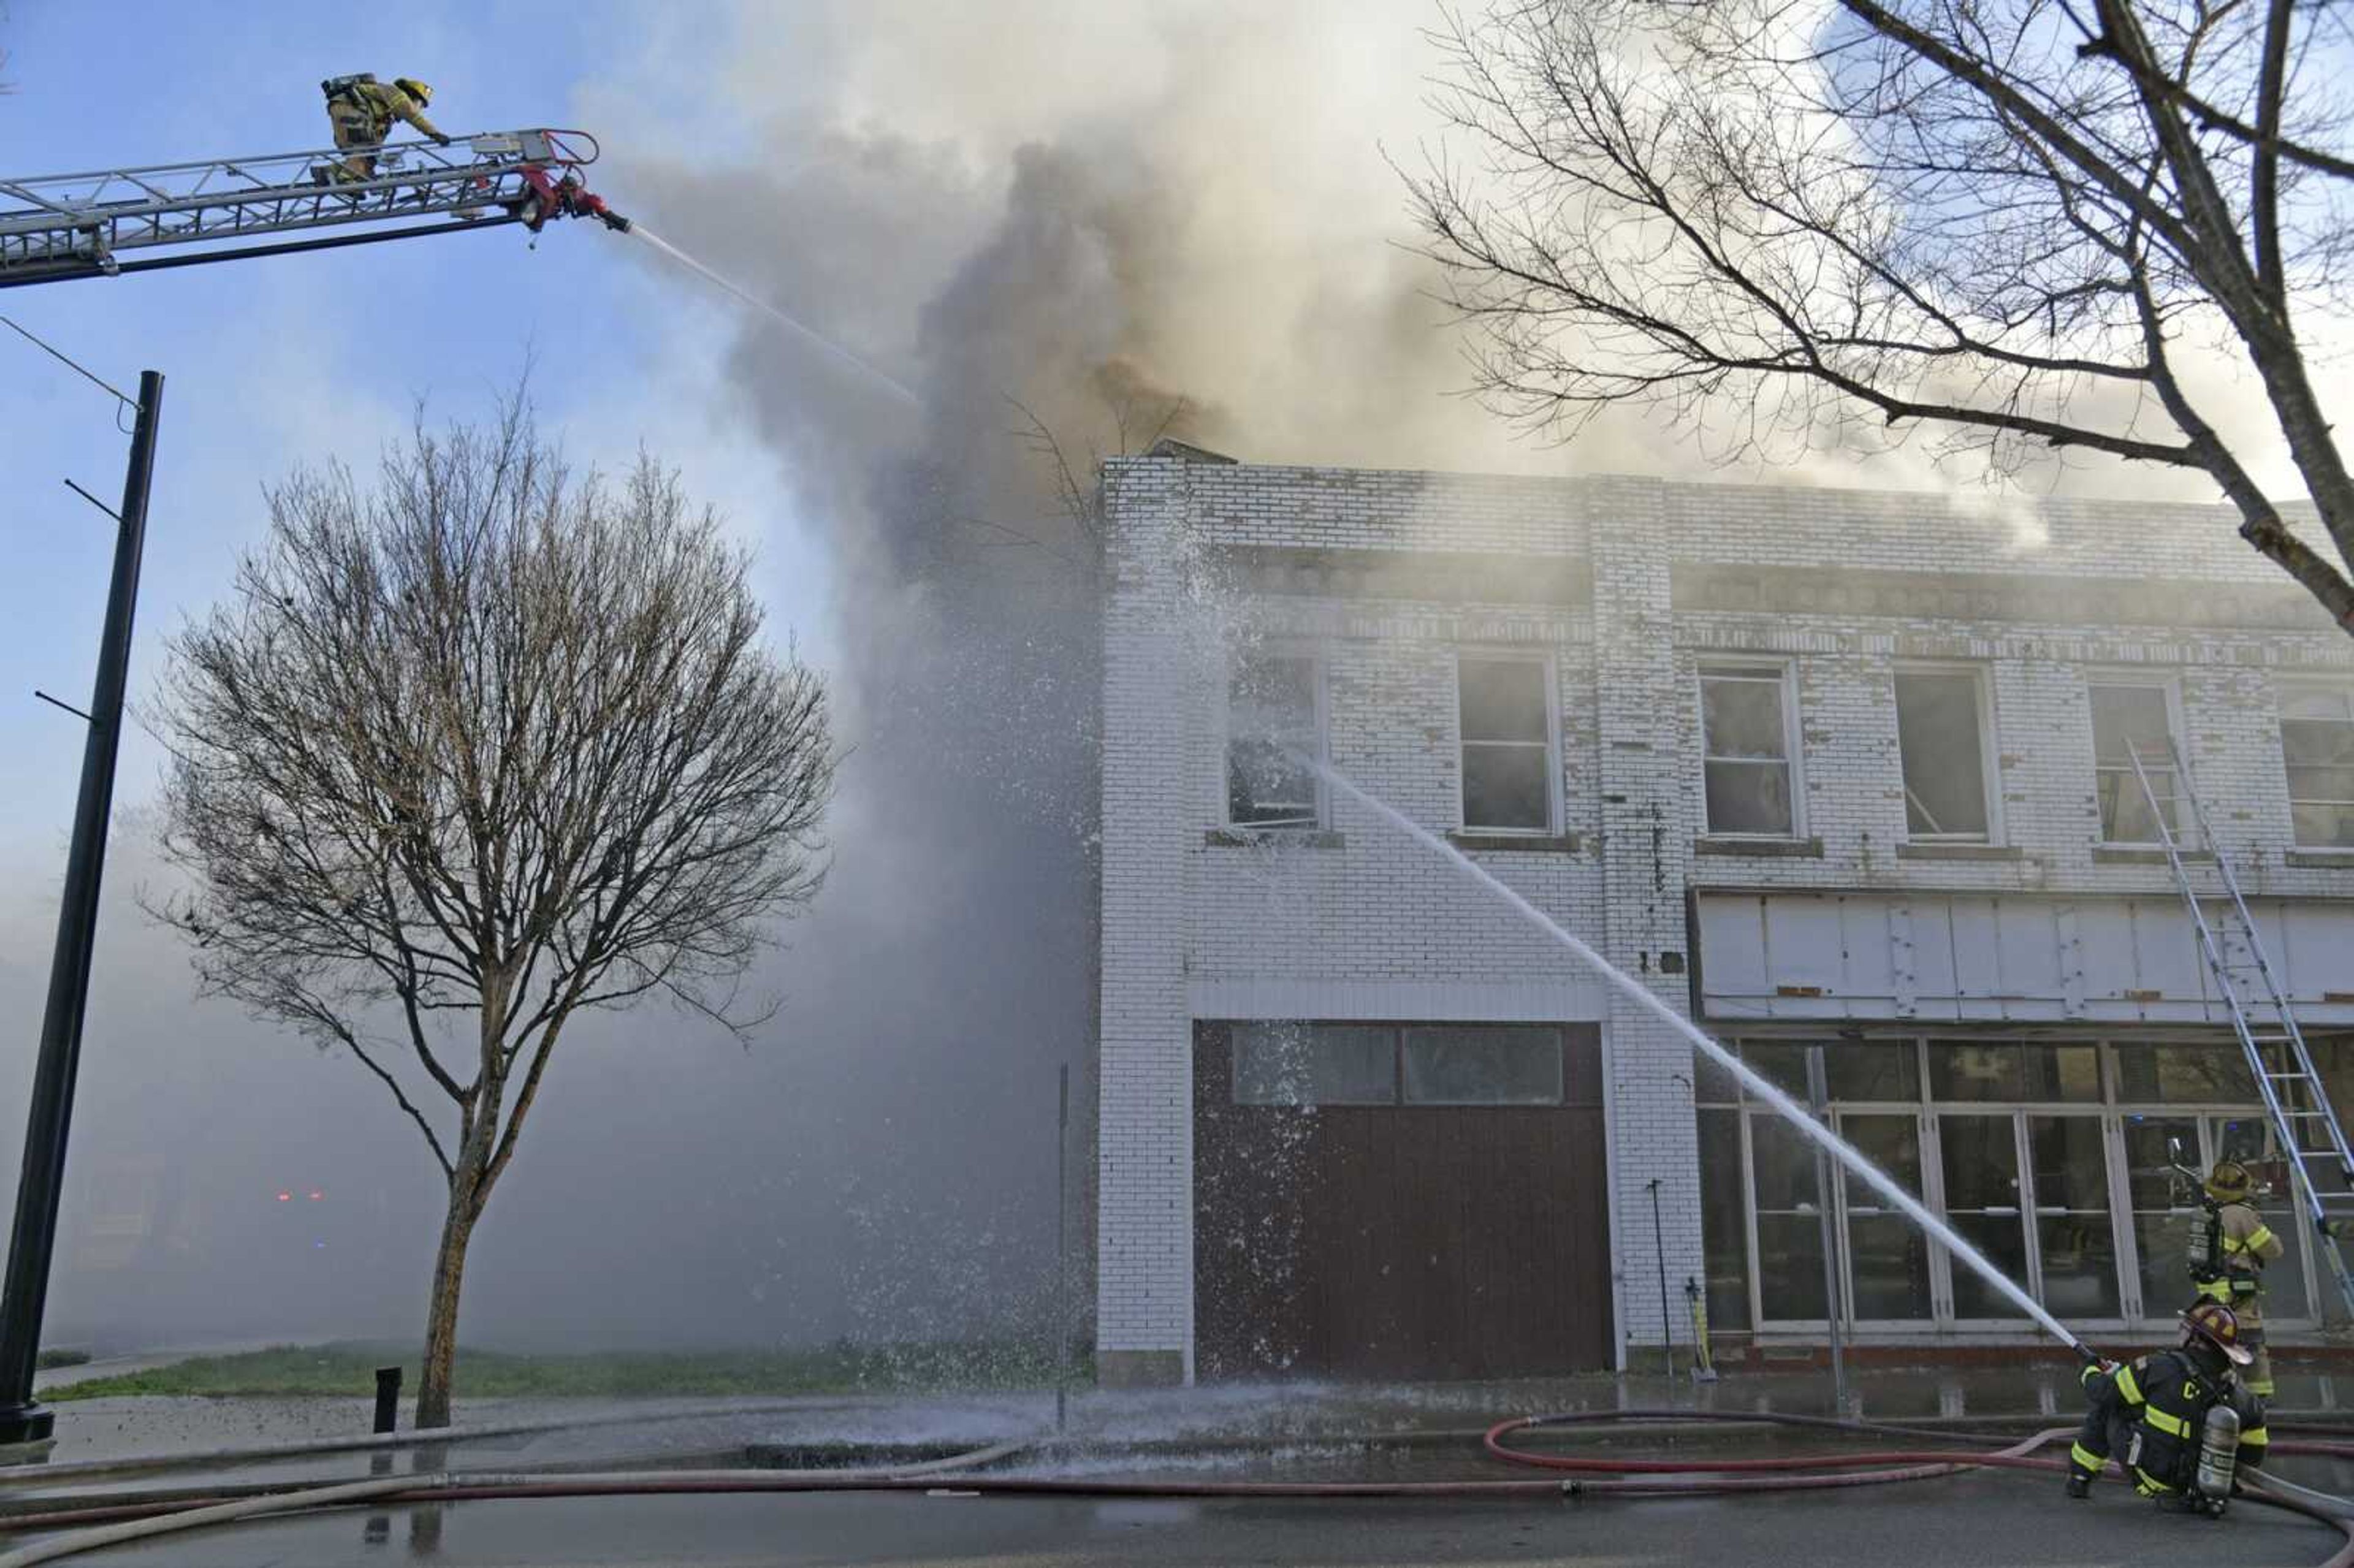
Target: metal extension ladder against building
{"type": "Point", "coordinates": [2306, 1127]}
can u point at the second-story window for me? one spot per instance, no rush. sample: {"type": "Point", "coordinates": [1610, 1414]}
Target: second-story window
{"type": "Point", "coordinates": [1745, 750]}
{"type": "Point", "coordinates": [1504, 707]}
{"type": "Point", "coordinates": [2132, 720]}
{"type": "Point", "coordinates": [2317, 745]}
{"type": "Point", "coordinates": [1274, 723]}
{"type": "Point", "coordinates": [1941, 743]}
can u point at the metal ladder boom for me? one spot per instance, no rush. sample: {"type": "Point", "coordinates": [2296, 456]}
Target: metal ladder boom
{"type": "Point", "coordinates": [2295, 1102]}
{"type": "Point", "coordinates": [65, 226]}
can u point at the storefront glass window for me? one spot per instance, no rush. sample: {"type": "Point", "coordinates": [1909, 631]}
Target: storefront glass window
{"type": "Point", "coordinates": [1961, 1070]}
{"type": "Point", "coordinates": [1723, 1220]}
{"type": "Point", "coordinates": [2183, 1075]}
{"type": "Point", "coordinates": [2019, 1169]}
{"type": "Point", "coordinates": [1873, 1070]}
{"type": "Point", "coordinates": [1887, 1255]}
{"type": "Point", "coordinates": [1789, 1223]}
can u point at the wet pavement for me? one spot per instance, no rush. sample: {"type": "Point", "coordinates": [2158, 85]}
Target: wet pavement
{"type": "Point", "coordinates": [1969, 1521]}
{"type": "Point", "coordinates": [1292, 1432]}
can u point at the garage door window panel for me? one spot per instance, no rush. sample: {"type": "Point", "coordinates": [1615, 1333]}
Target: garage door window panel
{"type": "Point", "coordinates": [1314, 1065]}
{"type": "Point", "coordinates": [1493, 1065]}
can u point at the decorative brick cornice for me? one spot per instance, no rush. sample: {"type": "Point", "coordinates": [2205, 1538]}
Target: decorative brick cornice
{"type": "Point", "coordinates": [1989, 596]}
{"type": "Point", "coordinates": [1429, 575]}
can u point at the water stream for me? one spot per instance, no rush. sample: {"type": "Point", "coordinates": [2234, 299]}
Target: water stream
{"type": "Point", "coordinates": [1761, 1089]}
{"type": "Point", "coordinates": [827, 344]}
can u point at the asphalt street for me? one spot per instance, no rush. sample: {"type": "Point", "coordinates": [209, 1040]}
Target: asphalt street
{"type": "Point", "coordinates": [1972, 1521]}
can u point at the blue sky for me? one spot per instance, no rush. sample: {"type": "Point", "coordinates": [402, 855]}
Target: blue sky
{"type": "Point", "coordinates": [301, 359]}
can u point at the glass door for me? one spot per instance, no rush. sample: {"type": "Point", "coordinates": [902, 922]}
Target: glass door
{"type": "Point", "coordinates": [1978, 1158]}
{"type": "Point", "coordinates": [1887, 1254]}
{"type": "Point", "coordinates": [2075, 1238]}
{"type": "Point", "coordinates": [2162, 1154]}
{"type": "Point", "coordinates": [1789, 1223]}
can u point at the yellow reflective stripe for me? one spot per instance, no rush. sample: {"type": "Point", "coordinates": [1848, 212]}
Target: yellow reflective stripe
{"type": "Point", "coordinates": [2128, 1389]}
{"type": "Point", "coordinates": [2254, 1240]}
{"type": "Point", "coordinates": [2091, 1461]}
{"type": "Point", "coordinates": [2217, 1290]}
{"type": "Point", "coordinates": [2255, 1438]}
{"type": "Point", "coordinates": [2172, 1425]}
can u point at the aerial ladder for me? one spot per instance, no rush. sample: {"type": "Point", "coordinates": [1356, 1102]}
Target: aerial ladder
{"type": "Point", "coordinates": [2255, 995]}
{"type": "Point", "coordinates": [108, 222]}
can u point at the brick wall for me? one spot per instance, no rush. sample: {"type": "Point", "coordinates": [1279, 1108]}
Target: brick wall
{"type": "Point", "coordinates": [1673, 574]}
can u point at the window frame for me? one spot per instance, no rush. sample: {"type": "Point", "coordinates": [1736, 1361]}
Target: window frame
{"type": "Point", "coordinates": [1989, 745]}
{"type": "Point", "coordinates": [2185, 833]}
{"type": "Point", "coordinates": [1576, 1077]}
{"type": "Point", "coordinates": [2283, 688]}
{"type": "Point", "coordinates": [1315, 655]}
{"type": "Point", "coordinates": [1235, 1044]}
{"type": "Point", "coordinates": [2296, 1305]}
{"type": "Point", "coordinates": [1555, 804]}
{"type": "Point", "coordinates": [1724, 667]}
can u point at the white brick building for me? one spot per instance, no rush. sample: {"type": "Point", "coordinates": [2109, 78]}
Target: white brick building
{"type": "Point", "coordinates": [1965, 909]}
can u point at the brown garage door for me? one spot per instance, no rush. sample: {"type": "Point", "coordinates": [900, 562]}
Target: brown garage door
{"type": "Point", "coordinates": [1409, 1201]}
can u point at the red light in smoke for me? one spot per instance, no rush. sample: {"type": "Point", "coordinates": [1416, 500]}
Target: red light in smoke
{"type": "Point", "coordinates": [316, 1196]}
{"type": "Point", "coordinates": [285, 1197]}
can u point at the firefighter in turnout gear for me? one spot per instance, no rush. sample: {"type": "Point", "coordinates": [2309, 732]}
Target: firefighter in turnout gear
{"type": "Point", "coordinates": [2230, 1245]}
{"type": "Point", "coordinates": [2178, 1421]}
{"type": "Point", "coordinates": [363, 112]}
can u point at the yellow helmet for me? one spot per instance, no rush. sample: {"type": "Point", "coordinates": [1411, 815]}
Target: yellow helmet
{"type": "Point", "coordinates": [2230, 1182]}
{"type": "Point", "coordinates": [414, 88]}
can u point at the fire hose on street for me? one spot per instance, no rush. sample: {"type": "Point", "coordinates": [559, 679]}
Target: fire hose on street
{"type": "Point", "coordinates": [1929, 1453]}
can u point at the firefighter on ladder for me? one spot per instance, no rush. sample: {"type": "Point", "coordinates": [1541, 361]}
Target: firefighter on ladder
{"type": "Point", "coordinates": [2230, 1245]}
{"type": "Point", "coordinates": [2178, 1421]}
{"type": "Point", "coordinates": [363, 112]}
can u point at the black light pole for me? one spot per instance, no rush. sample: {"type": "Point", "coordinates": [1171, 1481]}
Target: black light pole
{"type": "Point", "coordinates": [22, 1418]}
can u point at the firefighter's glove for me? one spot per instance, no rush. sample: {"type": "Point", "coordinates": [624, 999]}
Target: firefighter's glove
{"type": "Point", "coordinates": [441, 141]}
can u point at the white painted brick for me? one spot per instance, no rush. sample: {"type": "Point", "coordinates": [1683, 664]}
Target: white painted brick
{"type": "Point", "coordinates": [1183, 919]}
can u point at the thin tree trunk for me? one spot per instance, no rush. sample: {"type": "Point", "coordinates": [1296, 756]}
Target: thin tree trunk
{"type": "Point", "coordinates": [442, 1319]}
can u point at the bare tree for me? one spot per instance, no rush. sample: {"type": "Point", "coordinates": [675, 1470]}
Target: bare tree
{"type": "Point", "coordinates": [471, 752]}
{"type": "Point", "coordinates": [2017, 223]}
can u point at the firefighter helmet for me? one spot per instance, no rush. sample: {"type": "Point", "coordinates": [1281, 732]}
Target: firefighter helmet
{"type": "Point", "coordinates": [414, 88]}
{"type": "Point", "coordinates": [2230, 1182]}
{"type": "Point", "coordinates": [2219, 1327]}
